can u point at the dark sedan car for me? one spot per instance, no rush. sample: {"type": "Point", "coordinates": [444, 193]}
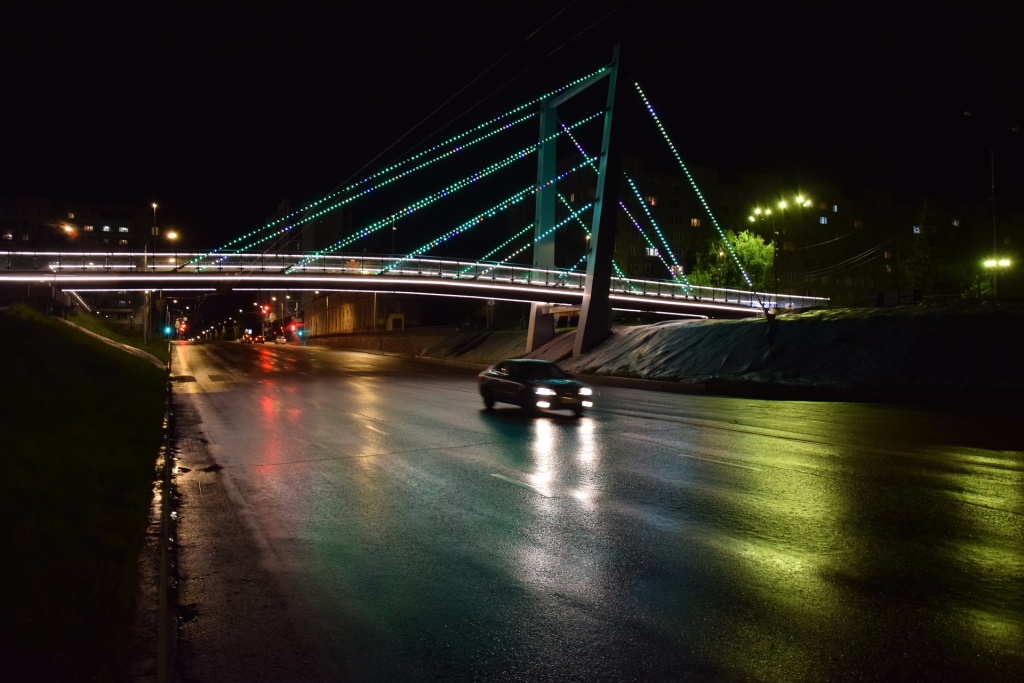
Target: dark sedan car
{"type": "Point", "coordinates": [533, 385]}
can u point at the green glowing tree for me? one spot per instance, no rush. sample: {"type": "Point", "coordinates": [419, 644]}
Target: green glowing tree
{"type": "Point", "coordinates": [717, 268]}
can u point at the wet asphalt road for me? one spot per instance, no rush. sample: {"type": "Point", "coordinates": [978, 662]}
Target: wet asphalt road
{"type": "Point", "coordinates": [349, 516]}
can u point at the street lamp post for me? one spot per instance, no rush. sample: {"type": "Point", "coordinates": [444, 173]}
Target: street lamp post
{"type": "Point", "coordinates": [171, 235]}
{"type": "Point", "coordinates": [996, 261]}
{"type": "Point", "coordinates": [800, 201]}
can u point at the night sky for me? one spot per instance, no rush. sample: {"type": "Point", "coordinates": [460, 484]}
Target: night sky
{"type": "Point", "coordinates": [219, 115]}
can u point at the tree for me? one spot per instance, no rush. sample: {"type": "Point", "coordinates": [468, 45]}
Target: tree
{"type": "Point", "coordinates": [940, 259]}
{"type": "Point", "coordinates": [718, 268]}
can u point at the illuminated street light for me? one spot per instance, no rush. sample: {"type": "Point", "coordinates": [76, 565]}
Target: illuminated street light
{"type": "Point", "coordinates": [799, 202]}
{"type": "Point", "coordinates": [171, 236]}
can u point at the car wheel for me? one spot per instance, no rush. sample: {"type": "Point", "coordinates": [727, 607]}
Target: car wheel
{"type": "Point", "coordinates": [488, 400]}
{"type": "Point", "coordinates": [578, 411]}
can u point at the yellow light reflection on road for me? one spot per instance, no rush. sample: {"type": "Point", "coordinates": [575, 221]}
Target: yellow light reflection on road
{"type": "Point", "coordinates": [981, 497]}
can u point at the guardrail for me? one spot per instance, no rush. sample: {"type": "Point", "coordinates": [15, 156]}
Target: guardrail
{"type": "Point", "coordinates": [363, 265]}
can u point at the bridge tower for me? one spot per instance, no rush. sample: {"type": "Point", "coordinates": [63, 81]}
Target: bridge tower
{"type": "Point", "coordinates": [595, 315]}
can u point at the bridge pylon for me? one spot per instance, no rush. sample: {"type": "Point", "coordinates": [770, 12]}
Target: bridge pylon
{"type": "Point", "coordinates": [595, 314]}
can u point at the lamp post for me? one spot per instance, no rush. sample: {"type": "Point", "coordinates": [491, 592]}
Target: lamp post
{"type": "Point", "coordinates": [996, 262]}
{"type": "Point", "coordinates": [171, 235]}
{"type": "Point", "coordinates": [801, 202]}
{"type": "Point", "coordinates": [995, 265]}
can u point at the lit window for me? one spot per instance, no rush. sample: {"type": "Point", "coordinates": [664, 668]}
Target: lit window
{"type": "Point", "coordinates": [823, 220]}
{"type": "Point", "coordinates": [917, 229]}
{"type": "Point", "coordinates": [122, 229]}
{"type": "Point", "coordinates": [652, 200]}
{"type": "Point", "coordinates": [651, 251]}
{"type": "Point", "coordinates": [835, 208]}
{"type": "Point", "coordinates": [106, 228]}
{"type": "Point", "coordinates": [956, 222]}
{"type": "Point", "coordinates": [71, 215]}
{"type": "Point", "coordinates": [8, 236]}
{"type": "Point", "coordinates": [87, 228]}
{"type": "Point", "coordinates": [694, 222]}
{"type": "Point", "coordinates": [123, 243]}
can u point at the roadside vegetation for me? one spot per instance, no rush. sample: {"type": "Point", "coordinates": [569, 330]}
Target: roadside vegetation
{"type": "Point", "coordinates": [82, 427]}
{"type": "Point", "coordinates": [156, 345]}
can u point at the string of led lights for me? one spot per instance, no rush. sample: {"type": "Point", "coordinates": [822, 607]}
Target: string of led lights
{"type": "Point", "coordinates": [365, 190]}
{"type": "Point", "coordinates": [677, 270]}
{"type": "Point", "coordinates": [450, 141]}
{"type": "Point", "coordinates": [480, 218]}
{"type": "Point", "coordinates": [593, 167]}
{"type": "Point", "coordinates": [536, 239]}
{"type": "Point", "coordinates": [654, 247]}
{"type": "Point", "coordinates": [501, 246]}
{"type": "Point", "coordinates": [693, 184]}
{"type": "Point", "coordinates": [451, 189]}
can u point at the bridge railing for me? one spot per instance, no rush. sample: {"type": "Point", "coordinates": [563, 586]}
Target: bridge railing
{"type": "Point", "coordinates": [745, 297]}
{"type": "Point", "coordinates": [381, 265]}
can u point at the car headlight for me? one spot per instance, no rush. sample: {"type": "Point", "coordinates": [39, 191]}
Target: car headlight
{"type": "Point", "coordinates": [544, 391]}
{"type": "Point", "coordinates": [585, 391]}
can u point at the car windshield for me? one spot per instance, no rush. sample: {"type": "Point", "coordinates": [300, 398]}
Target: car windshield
{"type": "Point", "coordinates": [541, 371]}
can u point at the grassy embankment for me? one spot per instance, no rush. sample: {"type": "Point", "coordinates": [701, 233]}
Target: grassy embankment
{"type": "Point", "coordinates": [81, 431]}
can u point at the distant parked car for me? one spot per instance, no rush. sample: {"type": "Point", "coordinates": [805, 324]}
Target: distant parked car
{"type": "Point", "coordinates": [259, 339]}
{"type": "Point", "coordinates": [279, 339]}
{"type": "Point", "coordinates": [533, 385]}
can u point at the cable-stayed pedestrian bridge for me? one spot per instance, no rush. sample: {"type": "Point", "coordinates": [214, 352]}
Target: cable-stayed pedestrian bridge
{"type": "Point", "coordinates": [183, 272]}
{"type": "Point", "coordinates": [527, 205]}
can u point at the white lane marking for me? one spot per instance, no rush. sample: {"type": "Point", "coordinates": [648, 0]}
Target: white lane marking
{"type": "Point", "coordinates": [675, 446]}
{"type": "Point", "coordinates": [374, 429]}
{"type": "Point", "coordinates": [720, 462]}
{"type": "Point", "coordinates": [523, 484]}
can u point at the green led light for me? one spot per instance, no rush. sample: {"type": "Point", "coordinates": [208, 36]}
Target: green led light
{"type": "Point", "coordinates": [451, 141]}
{"type": "Point", "coordinates": [693, 183]}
